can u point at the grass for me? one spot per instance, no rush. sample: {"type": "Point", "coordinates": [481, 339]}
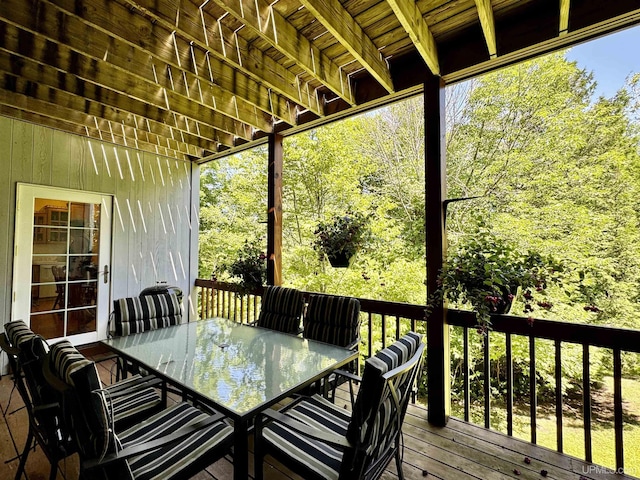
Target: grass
{"type": "Point", "coordinates": [602, 435]}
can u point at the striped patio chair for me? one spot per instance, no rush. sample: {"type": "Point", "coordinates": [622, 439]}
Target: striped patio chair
{"type": "Point", "coordinates": [281, 309]}
{"type": "Point", "coordinates": [336, 320]}
{"type": "Point", "coordinates": [138, 314]}
{"type": "Point", "coordinates": [318, 440]}
{"type": "Point", "coordinates": [130, 400]}
{"type": "Point", "coordinates": [46, 429]}
{"type": "Point", "coordinates": [175, 443]}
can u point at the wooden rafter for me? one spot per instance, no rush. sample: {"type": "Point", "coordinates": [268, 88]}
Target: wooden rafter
{"type": "Point", "coordinates": [411, 20]}
{"type": "Point", "coordinates": [266, 22]}
{"type": "Point", "coordinates": [39, 98]}
{"type": "Point", "coordinates": [85, 131]}
{"type": "Point", "coordinates": [564, 16]}
{"type": "Point", "coordinates": [97, 82]}
{"type": "Point", "coordinates": [124, 53]}
{"type": "Point", "coordinates": [228, 47]}
{"type": "Point", "coordinates": [346, 30]}
{"type": "Point", "coordinates": [199, 79]}
{"type": "Point", "coordinates": [485, 12]}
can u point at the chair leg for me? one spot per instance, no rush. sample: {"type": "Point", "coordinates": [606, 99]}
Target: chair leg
{"type": "Point", "coordinates": [54, 471]}
{"type": "Point", "coordinates": [25, 454]}
{"type": "Point", "coordinates": [399, 463]}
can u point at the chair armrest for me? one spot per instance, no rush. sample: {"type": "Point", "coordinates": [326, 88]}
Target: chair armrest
{"type": "Point", "coordinates": [45, 407]}
{"type": "Point", "coordinates": [347, 375]}
{"type": "Point", "coordinates": [133, 385]}
{"type": "Point", "coordinates": [140, 448]}
{"type": "Point", "coordinates": [306, 430]}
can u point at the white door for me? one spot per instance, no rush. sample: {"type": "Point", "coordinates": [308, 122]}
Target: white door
{"type": "Point", "coordinates": [61, 269]}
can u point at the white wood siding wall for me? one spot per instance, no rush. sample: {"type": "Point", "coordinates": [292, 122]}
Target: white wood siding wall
{"type": "Point", "coordinates": [155, 224]}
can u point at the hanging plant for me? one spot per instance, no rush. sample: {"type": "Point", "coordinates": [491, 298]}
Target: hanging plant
{"type": "Point", "coordinates": [341, 238]}
{"type": "Point", "coordinates": [250, 266]}
{"type": "Point", "coordinates": [487, 272]}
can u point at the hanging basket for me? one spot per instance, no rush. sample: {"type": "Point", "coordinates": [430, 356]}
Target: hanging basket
{"type": "Point", "coordinates": [339, 260]}
{"type": "Point", "coordinates": [504, 304]}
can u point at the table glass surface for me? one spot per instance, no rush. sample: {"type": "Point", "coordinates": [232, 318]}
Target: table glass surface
{"type": "Point", "coordinates": [236, 366]}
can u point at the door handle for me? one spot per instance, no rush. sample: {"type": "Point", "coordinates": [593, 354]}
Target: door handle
{"type": "Point", "coordinates": [106, 273]}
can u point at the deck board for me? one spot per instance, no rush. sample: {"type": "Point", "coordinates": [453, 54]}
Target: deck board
{"type": "Point", "coordinates": [459, 451]}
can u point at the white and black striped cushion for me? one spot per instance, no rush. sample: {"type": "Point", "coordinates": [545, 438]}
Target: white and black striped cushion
{"type": "Point", "coordinates": [130, 401]}
{"type": "Point", "coordinates": [150, 312]}
{"type": "Point", "coordinates": [332, 319]}
{"type": "Point", "coordinates": [281, 309]}
{"type": "Point", "coordinates": [320, 413]}
{"type": "Point", "coordinates": [18, 332]}
{"type": "Point", "coordinates": [373, 388]}
{"type": "Point", "coordinates": [93, 427]}
{"type": "Point", "coordinates": [165, 463]}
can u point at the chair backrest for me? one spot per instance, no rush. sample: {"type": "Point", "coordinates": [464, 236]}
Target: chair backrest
{"type": "Point", "coordinates": [380, 407]}
{"type": "Point", "coordinates": [40, 399]}
{"type": "Point", "coordinates": [332, 319]}
{"type": "Point", "coordinates": [30, 352]}
{"type": "Point", "coordinates": [281, 309]}
{"type": "Point", "coordinates": [85, 407]}
{"type": "Point", "coordinates": [139, 314]}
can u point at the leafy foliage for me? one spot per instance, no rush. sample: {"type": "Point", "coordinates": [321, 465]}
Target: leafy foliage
{"type": "Point", "coordinates": [487, 272]}
{"type": "Point", "coordinates": [343, 235]}
{"type": "Point", "coordinates": [250, 266]}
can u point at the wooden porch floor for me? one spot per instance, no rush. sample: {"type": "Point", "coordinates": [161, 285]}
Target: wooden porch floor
{"type": "Point", "coordinates": [459, 451]}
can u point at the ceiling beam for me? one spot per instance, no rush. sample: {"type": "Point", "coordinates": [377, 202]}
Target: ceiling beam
{"type": "Point", "coordinates": [69, 30]}
{"type": "Point", "coordinates": [411, 20]}
{"type": "Point", "coordinates": [46, 76]}
{"type": "Point", "coordinates": [346, 30]}
{"type": "Point", "coordinates": [265, 21]}
{"type": "Point", "coordinates": [91, 133]}
{"type": "Point", "coordinates": [485, 13]}
{"type": "Point", "coordinates": [40, 99]}
{"type": "Point", "coordinates": [229, 48]}
{"type": "Point", "coordinates": [564, 17]}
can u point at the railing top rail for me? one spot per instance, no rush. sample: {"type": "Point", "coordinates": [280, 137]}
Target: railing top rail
{"type": "Point", "coordinates": [380, 307]}
{"type": "Point", "coordinates": [579, 333]}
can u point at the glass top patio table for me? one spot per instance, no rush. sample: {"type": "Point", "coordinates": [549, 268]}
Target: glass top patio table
{"type": "Point", "coordinates": [238, 369]}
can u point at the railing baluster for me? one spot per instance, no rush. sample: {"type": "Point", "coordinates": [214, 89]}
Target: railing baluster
{"type": "Point", "coordinates": [466, 374]}
{"type": "Point", "coordinates": [384, 331]}
{"type": "Point", "coordinates": [487, 382]}
{"type": "Point", "coordinates": [533, 397]}
{"type": "Point", "coordinates": [509, 354]}
{"type": "Point", "coordinates": [617, 406]}
{"type": "Point", "coordinates": [370, 346]}
{"type": "Point", "coordinates": [586, 402]}
{"type": "Point", "coordinates": [397, 327]}
{"type": "Point", "coordinates": [559, 396]}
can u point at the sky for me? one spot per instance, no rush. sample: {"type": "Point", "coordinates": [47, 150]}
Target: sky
{"type": "Point", "coordinates": [611, 59]}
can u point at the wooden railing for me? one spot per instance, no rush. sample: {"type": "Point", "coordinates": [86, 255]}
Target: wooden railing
{"type": "Point", "coordinates": [230, 301]}
{"type": "Point", "coordinates": [394, 319]}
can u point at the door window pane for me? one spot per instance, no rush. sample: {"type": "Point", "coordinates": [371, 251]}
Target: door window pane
{"type": "Point", "coordinates": [64, 284]}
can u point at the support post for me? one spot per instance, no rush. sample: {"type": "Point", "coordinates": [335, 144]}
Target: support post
{"type": "Point", "coordinates": [438, 359]}
{"type": "Point", "coordinates": [274, 211]}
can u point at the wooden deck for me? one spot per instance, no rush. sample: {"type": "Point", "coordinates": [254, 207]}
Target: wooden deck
{"type": "Point", "coordinates": [459, 451]}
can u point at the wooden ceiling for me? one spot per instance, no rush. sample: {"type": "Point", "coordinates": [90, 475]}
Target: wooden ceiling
{"type": "Point", "coordinates": [196, 79]}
